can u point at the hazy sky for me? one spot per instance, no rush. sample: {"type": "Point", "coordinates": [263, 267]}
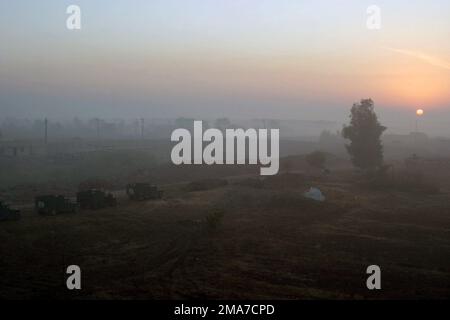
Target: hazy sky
{"type": "Point", "coordinates": [205, 58]}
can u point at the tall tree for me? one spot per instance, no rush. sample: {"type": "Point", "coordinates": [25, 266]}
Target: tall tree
{"type": "Point", "coordinates": [364, 133]}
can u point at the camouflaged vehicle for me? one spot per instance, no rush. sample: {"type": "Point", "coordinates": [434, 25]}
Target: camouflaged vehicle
{"type": "Point", "coordinates": [54, 204]}
{"type": "Point", "coordinates": [8, 214]}
{"type": "Point", "coordinates": [95, 199]}
{"type": "Point", "coordinates": [143, 191]}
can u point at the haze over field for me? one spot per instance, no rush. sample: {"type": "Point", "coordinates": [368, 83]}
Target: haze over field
{"type": "Point", "coordinates": [283, 59]}
{"type": "Point", "coordinates": [225, 150]}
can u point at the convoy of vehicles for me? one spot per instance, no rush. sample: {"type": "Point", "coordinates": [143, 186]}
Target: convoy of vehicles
{"type": "Point", "coordinates": [92, 199]}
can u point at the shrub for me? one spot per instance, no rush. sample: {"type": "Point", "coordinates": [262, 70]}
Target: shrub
{"type": "Point", "coordinates": [214, 219]}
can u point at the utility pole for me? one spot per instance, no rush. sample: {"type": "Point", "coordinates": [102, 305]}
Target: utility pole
{"type": "Point", "coordinates": [46, 130]}
{"type": "Point", "coordinates": [142, 128]}
{"type": "Point", "coordinates": [97, 124]}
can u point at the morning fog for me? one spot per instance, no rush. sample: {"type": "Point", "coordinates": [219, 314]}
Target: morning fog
{"type": "Point", "coordinates": [236, 146]}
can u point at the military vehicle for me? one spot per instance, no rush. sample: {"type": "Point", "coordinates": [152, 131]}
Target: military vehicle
{"type": "Point", "coordinates": [54, 204]}
{"type": "Point", "coordinates": [95, 199]}
{"type": "Point", "coordinates": [143, 191]}
{"type": "Point", "coordinates": [8, 214]}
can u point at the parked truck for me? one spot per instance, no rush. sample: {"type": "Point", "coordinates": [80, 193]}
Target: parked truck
{"type": "Point", "coordinates": [143, 191]}
{"type": "Point", "coordinates": [54, 204]}
{"type": "Point", "coordinates": [95, 199]}
{"type": "Point", "coordinates": [8, 214]}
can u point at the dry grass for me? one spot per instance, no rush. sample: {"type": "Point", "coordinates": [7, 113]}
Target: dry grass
{"type": "Point", "coordinates": [265, 243]}
{"type": "Point", "coordinates": [402, 180]}
{"type": "Point", "coordinates": [206, 184]}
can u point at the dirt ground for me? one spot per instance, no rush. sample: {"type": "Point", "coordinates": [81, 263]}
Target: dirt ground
{"type": "Point", "coordinates": [271, 243]}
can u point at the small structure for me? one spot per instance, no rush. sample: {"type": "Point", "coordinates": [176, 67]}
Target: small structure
{"type": "Point", "coordinates": [314, 194]}
{"type": "Point", "coordinates": [8, 214]}
{"type": "Point", "coordinates": [54, 204]}
{"type": "Point", "coordinates": [143, 191]}
{"type": "Point", "coordinates": [95, 199]}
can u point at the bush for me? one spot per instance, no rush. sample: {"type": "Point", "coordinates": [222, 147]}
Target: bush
{"type": "Point", "coordinates": [214, 219]}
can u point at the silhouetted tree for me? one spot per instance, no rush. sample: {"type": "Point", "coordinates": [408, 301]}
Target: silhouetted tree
{"type": "Point", "coordinates": [364, 132]}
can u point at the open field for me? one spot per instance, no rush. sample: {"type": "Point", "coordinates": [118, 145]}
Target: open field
{"type": "Point", "coordinates": [270, 243]}
{"type": "Point", "coordinates": [225, 150]}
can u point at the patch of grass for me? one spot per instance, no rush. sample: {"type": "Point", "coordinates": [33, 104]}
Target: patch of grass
{"type": "Point", "coordinates": [206, 184]}
{"type": "Point", "coordinates": [286, 181]}
{"type": "Point", "coordinates": [240, 198]}
{"type": "Point", "coordinates": [256, 183]}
